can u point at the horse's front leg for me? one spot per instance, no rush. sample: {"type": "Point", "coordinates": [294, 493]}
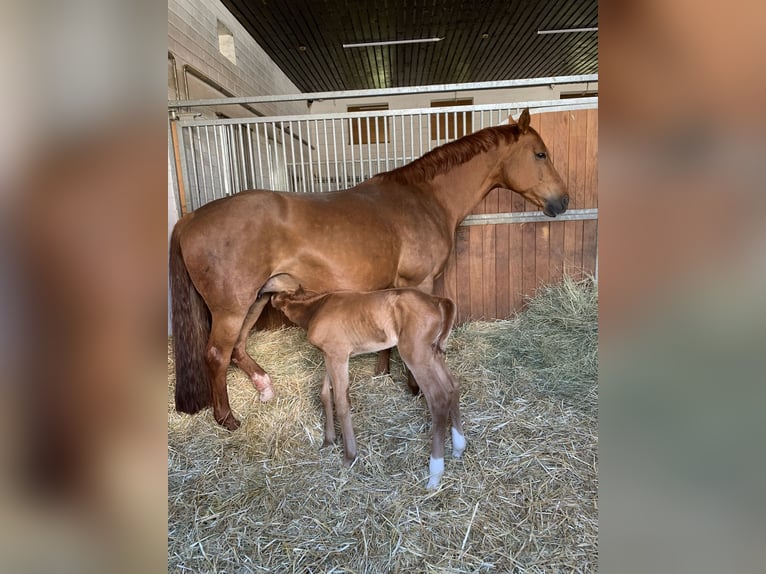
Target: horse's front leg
{"type": "Point", "coordinates": [337, 369]}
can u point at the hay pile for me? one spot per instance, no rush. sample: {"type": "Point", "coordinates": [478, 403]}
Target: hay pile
{"type": "Point", "coordinates": [522, 499]}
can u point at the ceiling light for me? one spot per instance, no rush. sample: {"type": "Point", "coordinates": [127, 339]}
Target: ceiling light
{"type": "Point", "coordinates": [392, 42]}
{"type": "Point", "coordinates": [567, 30]}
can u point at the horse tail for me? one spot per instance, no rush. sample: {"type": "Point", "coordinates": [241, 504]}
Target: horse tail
{"type": "Point", "coordinates": [191, 330]}
{"type": "Point", "coordinates": [448, 315]}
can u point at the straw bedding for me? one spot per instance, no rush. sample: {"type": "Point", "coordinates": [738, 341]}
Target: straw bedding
{"type": "Point", "coordinates": [522, 499]}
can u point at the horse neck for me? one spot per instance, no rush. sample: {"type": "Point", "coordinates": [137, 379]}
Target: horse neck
{"type": "Point", "coordinates": [460, 189]}
{"type": "Point", "coordinates": [301, 311]}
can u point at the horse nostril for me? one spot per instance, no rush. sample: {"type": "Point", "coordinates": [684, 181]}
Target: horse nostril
{"type": "Point", "coordinates": [565, 201]}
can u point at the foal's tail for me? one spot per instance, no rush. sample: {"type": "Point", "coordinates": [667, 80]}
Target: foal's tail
{"type": "Point", "coordinates": [191, 330]}
{"type": "Point", "coordinates": [448, 313]}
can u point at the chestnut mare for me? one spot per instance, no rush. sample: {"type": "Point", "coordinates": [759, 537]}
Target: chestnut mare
{"type": "Point", "coordinates": [394, 230]}
{"type": "Point", "coordinates": [349, 323]}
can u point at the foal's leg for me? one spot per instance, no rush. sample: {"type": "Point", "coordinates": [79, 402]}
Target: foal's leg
{"type": "Point", "coordinates": [438, 398]}
{"type": "Point", "coordinates": [244, 361]}
{"type": "Point", "coordinates": [329, 420]}
{"type": "Point", "coordinates": [383, 367]}
{"type": "Point", "coordinates": [337, 369]}
{"type": "Point", "coordinates": [223, 334]}
{"type": "Point", "coordinates": [458, 436]}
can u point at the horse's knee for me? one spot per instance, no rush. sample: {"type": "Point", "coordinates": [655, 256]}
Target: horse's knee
{"type": "Point", "coordinates": [215, 359]}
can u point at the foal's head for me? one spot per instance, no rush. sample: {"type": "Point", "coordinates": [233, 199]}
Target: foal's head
{"type": "Point", "coordinates": [527, 169]}
{"type": "Point", "coordinates": [297, 305]}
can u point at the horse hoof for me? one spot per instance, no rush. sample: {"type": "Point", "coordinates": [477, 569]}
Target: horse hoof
{"type": "Point", "coordinates": [230, 423]}
{"type": "Point", "coordinates": [266, 395]}
{"type": "Point", "coordinates": [348, 460]}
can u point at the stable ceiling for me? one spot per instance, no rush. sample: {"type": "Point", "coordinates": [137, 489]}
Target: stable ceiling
{"type": "Point", "coordinates": [483, 40]}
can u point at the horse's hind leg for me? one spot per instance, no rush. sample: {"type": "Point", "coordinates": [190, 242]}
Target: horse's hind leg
{"type": "Point", "coordinates": [244, 361]}
{"type": "Point", "coordinates": [223, 335]}
{"type": "Point", "coordinates": [383, 366]}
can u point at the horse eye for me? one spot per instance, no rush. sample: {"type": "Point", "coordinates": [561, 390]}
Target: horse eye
{"type": "Point", "coordinates": [541, 155]}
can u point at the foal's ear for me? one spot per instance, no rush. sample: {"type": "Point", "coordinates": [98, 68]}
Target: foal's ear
{"type": "Point", "coordinates": [524, 121]}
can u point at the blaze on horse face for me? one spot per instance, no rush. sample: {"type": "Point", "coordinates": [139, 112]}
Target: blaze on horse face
{"type": "Point", "coordinates": [528, 171]}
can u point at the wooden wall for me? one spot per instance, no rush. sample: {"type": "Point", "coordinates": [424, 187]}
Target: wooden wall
{"type": "Point", "coordinates": [494, 267]}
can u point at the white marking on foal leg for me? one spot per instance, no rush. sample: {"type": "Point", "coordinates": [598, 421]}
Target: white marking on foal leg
{"type": "Point", "coordinates": [435, 471]}
{"type": "Point", "coordinates": [263, 384]}
{"type": "Point", "coordinates": [458, 443]}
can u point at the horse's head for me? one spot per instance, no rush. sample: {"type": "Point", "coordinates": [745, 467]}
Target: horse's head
{"type": "Point", "coordinates": [527, 169]}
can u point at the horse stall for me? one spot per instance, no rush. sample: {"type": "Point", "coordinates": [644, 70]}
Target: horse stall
{"type": "Point", "coordinates": [523, 497]}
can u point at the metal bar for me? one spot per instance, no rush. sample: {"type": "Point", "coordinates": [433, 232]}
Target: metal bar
{"type": "Point", "coordinates": [529, 217]}
{"type": "Point", "coordinates": [303, 165]}
{"type": "Point", "coordinates": [257, 185]}
{"type": "Point", "coordinates": [404, 141]}
{"type": "Point", "coordinates": [319, 159]}
{"type": "Point", "coordinates": [327, 155]}
{"type": "Point", "coordinates": [210, 165]}
{"type": "Point", "coordinates": [377, 142]}
{"type": "Point", "coordinates": [535, 106]}
{"type": "Point", "coordinates": [351, 141]}
{"type": "Point", "coordinates": [393, 135]}
{"type": "Point", "coordinates": [292, 155]}
{"type": "Point", "coordinates": [334, 153]}
{"type": "Point", "coordinates": [253, 182]}
{"type": "Point", "coordinates": [584, 78]}
{"type": "Point", "coordinates": [243, 162]}
{"type": "Point", "coordinates": [412, 137]}
{"type": "Point", "coordinates": [385, 134]}
{"type": "Point", "coordinates": [420, 134]}
{"type": "Point", "coordinates": [361, 149]}
{"type": "Point", "coordinates": [369, 148]}
{"type": "Point", "coordinates": [343, 151]}
{"type": "Point", "coordinates": [269, 164]}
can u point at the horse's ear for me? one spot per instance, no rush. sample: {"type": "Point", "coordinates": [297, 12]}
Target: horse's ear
{"type": "Point", "coordinates": [511, 121]}
{"type": "Point", "coordinates": [524, 121]}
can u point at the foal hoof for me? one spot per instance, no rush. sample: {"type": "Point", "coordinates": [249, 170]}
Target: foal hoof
{"type": "Point", "coordinates": [348, 460]}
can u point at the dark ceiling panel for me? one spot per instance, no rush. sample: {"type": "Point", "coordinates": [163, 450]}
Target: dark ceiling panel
{"type": "Point", "coordinates": [305, 38]}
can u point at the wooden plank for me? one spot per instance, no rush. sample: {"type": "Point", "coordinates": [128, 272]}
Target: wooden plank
{"type": "Point", "coordinates": [462, 265]}
{"type": "Point", "coordinates": [560, 156]}
{"type": "Point", "coordinates": [476, 253]}
{"type": "Point", "coordinates": [576, 183]}
{"type": "Point", "coordinates": [489, 253]}
{"type": "Point", "coordinates": [179, 171]}
{"type": "Point", "coordinates": [515, 267]}
{"type": "Point", "coordinates": [503, 297]}
{"type": "Point", "coordinates": [542, 255]}
{"type": "Point", "coordinates": [591, 185]}
{"type": "Point", "coordinates": [590, 228]}
{"type": "Point", "coordinates": [590, 243]}
{"type": "Point", "coordinates": [529, 281]}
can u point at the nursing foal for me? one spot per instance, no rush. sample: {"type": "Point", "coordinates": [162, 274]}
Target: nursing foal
{"type": "Point", "coordinates": [348, 323]}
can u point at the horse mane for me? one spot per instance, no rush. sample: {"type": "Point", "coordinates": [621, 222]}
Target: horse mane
{"type": "Point", "coordinates": [452, 154]}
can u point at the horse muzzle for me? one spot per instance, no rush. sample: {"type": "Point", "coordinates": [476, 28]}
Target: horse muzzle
{"type": "Point", "coordinates": [554, 207]}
